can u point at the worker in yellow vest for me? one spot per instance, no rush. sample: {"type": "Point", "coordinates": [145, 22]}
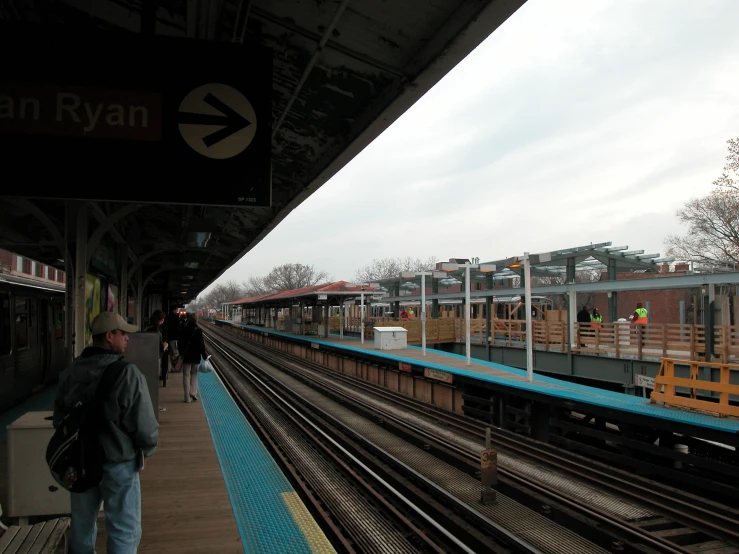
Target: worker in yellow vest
{"type": "Point", "coordinates": [596, 319]}
{"type": "Point", "coordinates": [640, 315]}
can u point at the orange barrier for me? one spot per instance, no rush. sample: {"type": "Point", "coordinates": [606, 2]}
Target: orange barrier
{"type": "Point", "coordinates": [665, 386]}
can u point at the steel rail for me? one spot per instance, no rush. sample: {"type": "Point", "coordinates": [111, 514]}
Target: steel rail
{"type": "Point", "coordinates": [311, 428]}
{"type": "Point", "coordinates": [726, 527]}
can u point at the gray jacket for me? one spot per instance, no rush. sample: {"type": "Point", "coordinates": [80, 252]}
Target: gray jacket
{"type": "Point", "coordinates": [129, 414]}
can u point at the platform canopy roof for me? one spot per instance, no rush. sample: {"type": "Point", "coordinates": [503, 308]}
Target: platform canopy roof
{"type": "Point", "coordinates": [598, 257]}
{"type": "Point", "coordinates": [338, 291]}
{"type": "Point", "coordinates": [343, 71]}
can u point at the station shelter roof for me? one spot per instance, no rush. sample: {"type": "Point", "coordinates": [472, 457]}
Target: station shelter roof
{"type": "Point", "coordinates": [341, 74]}
{"type": "Point", "coordinates": [338, 291]}
{"type": "Point", "coordinates": [599, 256]}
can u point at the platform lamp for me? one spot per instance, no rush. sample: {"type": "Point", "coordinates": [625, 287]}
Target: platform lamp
{"type": "Point", "coordinates": [423, 275]}
{"type": "Point", "coordinates": [516, 262]}
{"type": "Point", "coordinates": [361, 303]}
{"type": "Point", "coordinates": [454, 266]}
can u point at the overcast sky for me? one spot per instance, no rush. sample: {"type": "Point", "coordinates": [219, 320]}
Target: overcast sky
{"type": "Point", "coordinates": [576, 122]}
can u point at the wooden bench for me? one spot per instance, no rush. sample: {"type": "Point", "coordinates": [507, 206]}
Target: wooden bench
{"type": "Point", "coordinates": [41, 538]}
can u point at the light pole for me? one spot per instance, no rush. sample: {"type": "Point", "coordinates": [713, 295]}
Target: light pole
{"type": "Point", "coordinates": [454, 266]}
{"type": "Point", "coordinates": [515, 262]}
{"type": "Point", "coordinates": [527, 306]}
{"type": "Point", "coordinates": [361, 313]}
{"type": "Point", "coordinates": [423, 274]}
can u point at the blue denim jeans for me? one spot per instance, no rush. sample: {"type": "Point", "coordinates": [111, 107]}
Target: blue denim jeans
{"type": "Point", "coordinates": [120, 493]}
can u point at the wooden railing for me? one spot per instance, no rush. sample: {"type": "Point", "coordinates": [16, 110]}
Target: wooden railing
{"type": "Point", "coordinates": [654, 340]}
{"type": "Point", "coordinates": [666, 384]}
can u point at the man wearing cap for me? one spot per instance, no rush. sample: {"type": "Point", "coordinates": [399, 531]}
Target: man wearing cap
{"type": "Point", "coordinates": [131, 434]}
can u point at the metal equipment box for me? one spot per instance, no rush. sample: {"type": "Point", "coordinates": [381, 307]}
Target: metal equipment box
{"type": "Point", "coordinates": [391, 338]}
{"type": "Point", "coordinates": [143, 350]}
{"type": "Point", "coordinates": [32, 490]}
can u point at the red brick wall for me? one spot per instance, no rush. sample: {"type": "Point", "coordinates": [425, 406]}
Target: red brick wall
{"type": "Point", "coordinates": [664, 304]}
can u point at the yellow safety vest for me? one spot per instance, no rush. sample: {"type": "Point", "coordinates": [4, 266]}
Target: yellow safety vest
{"type": "Point", "coordinates": [642, 319]}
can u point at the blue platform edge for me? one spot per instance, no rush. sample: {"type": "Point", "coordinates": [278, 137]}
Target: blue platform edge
{"type": "Point", "coordinates": [254, 481]}
{"type": "Point", "coordinates": [571, 391]}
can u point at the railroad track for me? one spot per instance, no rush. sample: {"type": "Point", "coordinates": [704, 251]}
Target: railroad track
{"type": "Point", "coordinates": [667, 520]}
{"type": "Point", "coordinates": [455, 525]}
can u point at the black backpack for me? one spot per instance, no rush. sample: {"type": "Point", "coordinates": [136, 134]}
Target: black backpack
{"type": "Point", "coordinates": [74, 454]}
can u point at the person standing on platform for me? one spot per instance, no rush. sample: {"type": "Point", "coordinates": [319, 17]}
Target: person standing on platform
{"type": "Point", "coordinates": [596, 319]}
{"type": "Point", "coordinates": [583, 316]}
{"type": "Point", "coordinates": [640, 317]}
{"type": "Point", "coordinates": [192, 349]}
{"type": "Point", "coordinates": [171, 332]}
{"type": "Point", "coordinates": [131, 434]}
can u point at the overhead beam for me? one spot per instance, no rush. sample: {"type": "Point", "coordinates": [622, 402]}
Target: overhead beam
{"type": "Point", "coordinates": [656, 283]}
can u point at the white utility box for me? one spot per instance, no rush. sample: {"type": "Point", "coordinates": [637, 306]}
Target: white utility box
{"type": "Point", "coordinates": [391, 338]}
{"type": "Point", "coordinates": [32, 490]}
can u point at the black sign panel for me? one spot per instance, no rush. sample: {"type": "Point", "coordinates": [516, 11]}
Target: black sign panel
{"type": "Point", "coordinates": [125, 117]}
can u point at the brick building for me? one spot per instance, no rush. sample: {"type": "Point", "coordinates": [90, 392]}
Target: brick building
{"type": "Point", "coordinates": [664, 304]}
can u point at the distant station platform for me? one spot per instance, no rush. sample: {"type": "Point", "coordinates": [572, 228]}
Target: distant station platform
{"type": "Point", "coordinates": [211, 485]}
{"type": "Point", "coordinates": [517, 378]}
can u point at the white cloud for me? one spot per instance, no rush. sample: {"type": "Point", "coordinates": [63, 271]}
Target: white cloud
{"type": "Point", "coordinates": [575, 122]}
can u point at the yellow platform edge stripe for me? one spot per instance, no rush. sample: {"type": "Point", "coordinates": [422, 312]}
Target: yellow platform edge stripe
{"type": "Point", "coordinates": [313, 534]}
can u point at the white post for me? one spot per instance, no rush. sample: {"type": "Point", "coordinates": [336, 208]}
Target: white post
{"type": "Point", "coordinates": [341, 322]}
{"type": "Point", "coordinates": [467, 311]}
{"type": "Point", "coordinates": [361, 314]}
{"type": "Point", "coordinates": [529, 330]}
{"type": "Point", "coordinates": [572, 314]}
{"type": "Point", "coordinates": [423, 313]}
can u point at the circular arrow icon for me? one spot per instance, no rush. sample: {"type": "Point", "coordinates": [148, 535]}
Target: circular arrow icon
{"type": "Point", "coordinates": [217, 121]}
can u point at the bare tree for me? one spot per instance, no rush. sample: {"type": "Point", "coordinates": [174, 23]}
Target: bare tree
{"type": "Point", "coordinates": [713, 229]}
{"type": "Point", "coordinates": [387, 268]}
{"type": "Point", "coordinates": [293, 276]}
{"type": "Point", "coordinates": [224, 292]}
{"type": "Point", "coordinates": [255, 286]}
{"type": "Point", "coordinates": [729, 179]}
{"type": "Point", "coordinates": [713, 220]}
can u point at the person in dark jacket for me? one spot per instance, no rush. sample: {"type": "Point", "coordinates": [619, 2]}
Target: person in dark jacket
{"type": "Point", "coordinates": [583, 316]}
{"type": "Point", "coordinates": [156, 322]}
{"type": "Point", "coordinates": [131, 434]}
{"type": "Point", "coordinates": [171, 332]}
{"type": "Point", "coordinates": [192, 350]}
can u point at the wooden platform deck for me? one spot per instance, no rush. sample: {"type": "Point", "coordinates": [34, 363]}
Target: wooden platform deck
{"type": "Point", "coordinates": [185, 505]}
{"type": "Point", "coordinates": [185, 508]}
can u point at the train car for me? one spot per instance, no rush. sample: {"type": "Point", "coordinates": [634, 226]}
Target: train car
{"type": "Point", "coordinates": [32, 351]}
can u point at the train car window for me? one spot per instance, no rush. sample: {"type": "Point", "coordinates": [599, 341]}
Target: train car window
{"type": "Point", "coordinates": [21, 323]}
{"type": "Point", "coordinates": [4, 324]}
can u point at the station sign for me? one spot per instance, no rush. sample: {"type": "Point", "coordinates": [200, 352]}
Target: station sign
{"type": "Point", "coordinates": [126, 117]}
{"type": "Point", "coordinates": [402, 366]}
{"type": "Point", "coordinates": [644, 381]}
{"type": "Point", "coordinates": [438, 375]}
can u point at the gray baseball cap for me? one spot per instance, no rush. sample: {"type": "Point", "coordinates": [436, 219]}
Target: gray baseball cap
{"type": "Point", "coordinates": [111, 321]}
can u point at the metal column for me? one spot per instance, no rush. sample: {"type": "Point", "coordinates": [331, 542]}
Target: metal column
{"type": "Point", "coordinates": [123, 292]}
{"type": "Point", "coordinates": [488, 310]}
{"type": "Point", "coordinates": [80, 277]}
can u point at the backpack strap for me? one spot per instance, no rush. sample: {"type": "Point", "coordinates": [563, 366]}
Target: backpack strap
{"type": "Point", "coordinates": [110, 373]}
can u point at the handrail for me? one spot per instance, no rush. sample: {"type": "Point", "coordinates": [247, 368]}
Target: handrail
{"type": "Point", "coordinates": [665, 385]}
